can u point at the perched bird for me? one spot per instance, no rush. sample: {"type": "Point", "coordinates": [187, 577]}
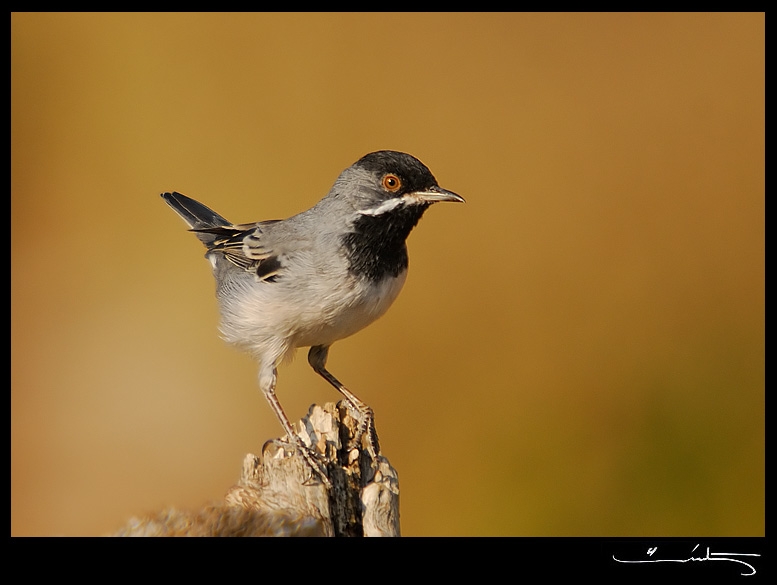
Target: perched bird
{"type": "Point", "coordinates": [320, 275]}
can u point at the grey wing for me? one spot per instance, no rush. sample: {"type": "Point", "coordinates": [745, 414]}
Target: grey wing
{"type": "Point", "coordinates": [246, 246]}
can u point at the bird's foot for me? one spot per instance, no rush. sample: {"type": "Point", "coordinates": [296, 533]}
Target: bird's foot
{"type": "Point", "coordinates": [313, 460]}
{"type": "Point", "coordinates": [366, 417]}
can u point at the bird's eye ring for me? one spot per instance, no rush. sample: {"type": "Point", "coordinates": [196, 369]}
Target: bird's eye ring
{"type": "Point", "coordinates": [391, 182]}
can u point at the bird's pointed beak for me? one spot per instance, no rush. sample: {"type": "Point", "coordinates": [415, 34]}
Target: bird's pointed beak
{"type": "Point", "coordinates": [433, 195]}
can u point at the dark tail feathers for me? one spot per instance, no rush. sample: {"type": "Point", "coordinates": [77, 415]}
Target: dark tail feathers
{"type": "Point", "coordinates": [196, 215]}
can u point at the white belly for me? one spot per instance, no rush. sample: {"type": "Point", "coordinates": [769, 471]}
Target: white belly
{"type": "Point", "coordinates": [271, 321]}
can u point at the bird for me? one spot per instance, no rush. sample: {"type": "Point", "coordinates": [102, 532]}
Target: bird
{"type": "Point", "coordinates": [318, 276]}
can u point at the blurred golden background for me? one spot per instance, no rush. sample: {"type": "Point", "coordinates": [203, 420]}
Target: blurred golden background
{"type": "Point", "coordinates": [578, 350]}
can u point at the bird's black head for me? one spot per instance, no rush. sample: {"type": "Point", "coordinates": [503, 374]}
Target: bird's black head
{"type": "Point", "coordinates": [388, 180]}
{"type": "Point", "coordinates": [397, 173]}
{"type": "Point", "coordinates": [389, 191]}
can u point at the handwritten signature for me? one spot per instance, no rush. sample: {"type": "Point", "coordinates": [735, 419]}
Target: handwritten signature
{"type": "Point", "coordinates": [731, 557]}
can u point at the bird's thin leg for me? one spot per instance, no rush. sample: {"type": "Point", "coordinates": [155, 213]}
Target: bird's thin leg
{"type": "Point", "coordinates": [267, 379]}
{"type": "Point", "coordinates": [317, 359]}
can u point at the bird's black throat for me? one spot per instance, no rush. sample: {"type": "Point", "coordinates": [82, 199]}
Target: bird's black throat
{"type": "Point", "coordinates": [376, 245]}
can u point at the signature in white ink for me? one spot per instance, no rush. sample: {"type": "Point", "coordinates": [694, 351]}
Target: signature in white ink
{"type": "Point", "coordinates": [731, 557]}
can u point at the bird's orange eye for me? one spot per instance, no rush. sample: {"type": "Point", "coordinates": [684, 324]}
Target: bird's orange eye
{"type": "Point", "coordinates": [391, 182]}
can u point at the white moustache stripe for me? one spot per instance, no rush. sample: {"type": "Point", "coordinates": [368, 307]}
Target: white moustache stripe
{"type": "Point", "coordinates": [385, 206]}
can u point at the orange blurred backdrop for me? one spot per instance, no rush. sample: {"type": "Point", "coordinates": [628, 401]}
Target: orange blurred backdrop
{"type": "Point", "coordinates": [579, 350]}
